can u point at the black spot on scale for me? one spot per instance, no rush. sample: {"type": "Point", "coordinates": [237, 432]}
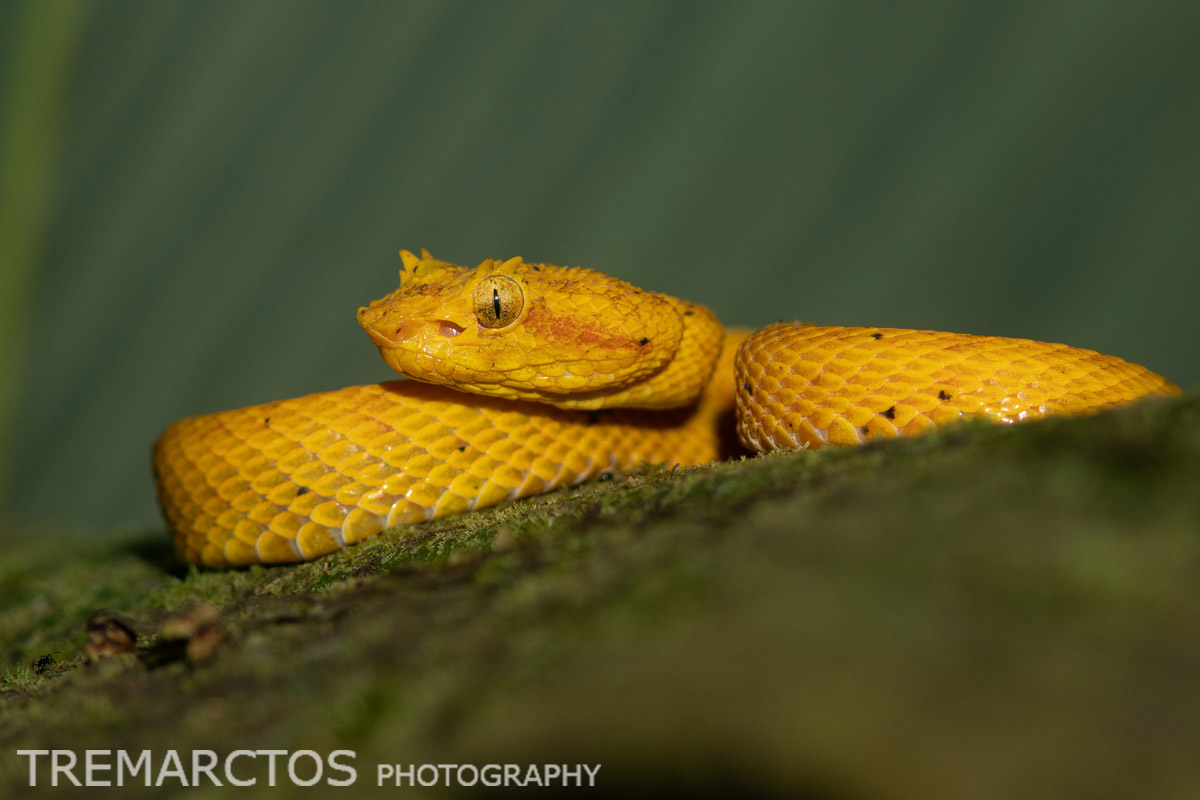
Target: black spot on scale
{"type": "Point", "coordinates": [688, 313]}
{"type": "Point", "coordinates": [302, 490]}
{"type": "Point", "coordinates": [943, 394]}
{"type": "Point", "coordinates": [890, 413]}
{"type": "Point", "coordinates": [645, 341]}
{"type": "Point", "coordinates": [876, 335]}
{"type": "Point", "coordinates": [746, 387]}
{"type": "Point", "coordinates": [462, 447]}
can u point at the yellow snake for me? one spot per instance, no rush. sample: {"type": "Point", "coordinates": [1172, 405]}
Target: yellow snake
{"type": "Point", "coordinates": [535, 376]}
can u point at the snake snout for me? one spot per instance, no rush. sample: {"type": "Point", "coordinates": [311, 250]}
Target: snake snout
{"type": "Point", "coordinates": [381, 329]}
{"type": "Point", "coordinates": [387, 328]}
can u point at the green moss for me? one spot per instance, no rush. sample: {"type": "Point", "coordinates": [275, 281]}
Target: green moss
{"type": "Point", "coordinates": [969, 613]}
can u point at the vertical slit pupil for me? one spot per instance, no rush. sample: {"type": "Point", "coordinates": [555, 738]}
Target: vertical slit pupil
{"type": "Point", "coordinates": [496, 301]}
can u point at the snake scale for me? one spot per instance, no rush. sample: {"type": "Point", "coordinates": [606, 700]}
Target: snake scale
{"type": "Point", "coordinates": [531, 376]}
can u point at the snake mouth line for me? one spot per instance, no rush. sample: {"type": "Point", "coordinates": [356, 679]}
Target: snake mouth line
{"type": "Point", "coordinates": [378, 339]}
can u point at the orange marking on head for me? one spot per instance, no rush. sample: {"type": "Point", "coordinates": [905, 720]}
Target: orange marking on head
{"type": "Point", "coordinates": [571, 329]}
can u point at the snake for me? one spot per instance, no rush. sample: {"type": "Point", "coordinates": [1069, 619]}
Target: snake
{"type": "Point", "coordinates": [525, 377]}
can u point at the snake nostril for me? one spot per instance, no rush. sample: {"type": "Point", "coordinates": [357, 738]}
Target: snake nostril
{"type": "Point", "coordinates": [449, 329]}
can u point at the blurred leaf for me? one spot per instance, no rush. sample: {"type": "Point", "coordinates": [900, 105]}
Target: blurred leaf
{"type": "Point", "coordinates": [40, 42]}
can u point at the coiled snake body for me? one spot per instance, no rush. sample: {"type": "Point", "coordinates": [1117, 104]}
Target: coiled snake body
{"type": "Point", "coordinates": [536, 376]}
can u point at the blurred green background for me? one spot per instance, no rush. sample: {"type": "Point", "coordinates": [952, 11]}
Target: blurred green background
{"type": "Point", "coordinates": [196, 196]}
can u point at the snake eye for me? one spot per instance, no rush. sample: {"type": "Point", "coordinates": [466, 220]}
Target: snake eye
{"type": "Point", "coordinates": [498, 301]}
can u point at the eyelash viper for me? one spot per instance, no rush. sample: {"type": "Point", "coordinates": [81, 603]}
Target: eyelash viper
{"type": "Point", "coordinates": [535, 376]}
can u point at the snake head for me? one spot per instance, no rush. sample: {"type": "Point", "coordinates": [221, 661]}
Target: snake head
{"type": "Point", "coordinates": [566, 336]}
